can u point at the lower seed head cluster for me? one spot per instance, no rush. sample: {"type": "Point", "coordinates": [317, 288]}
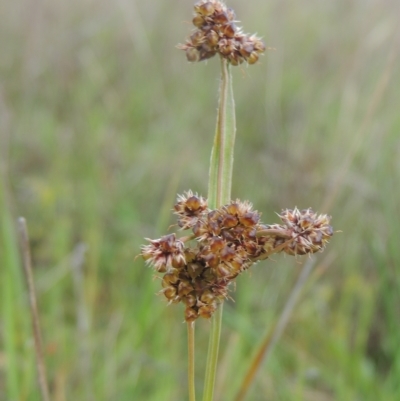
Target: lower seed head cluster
{"type": "Point", "coordinates": [198, 269]}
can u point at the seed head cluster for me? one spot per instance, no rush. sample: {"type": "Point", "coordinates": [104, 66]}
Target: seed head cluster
{"type": "Point", "coordinates": [217, 33]}
{"type": "Point", "coordinates": [199, 268]}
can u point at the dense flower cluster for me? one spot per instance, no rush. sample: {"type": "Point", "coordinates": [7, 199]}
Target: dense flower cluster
{"type": "Point", "coordinates": [225, 242]}
{"type": "Point", "coordinates": [217, 33]}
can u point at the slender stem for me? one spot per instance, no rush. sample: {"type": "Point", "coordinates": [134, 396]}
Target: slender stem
{"type": "Point", "coordinates": [273, 251]}
{"type": "Point", "coordinates": [82, 318]}
{"type": "Point", "coordinates": [219, 193]}
{"type": "Point", "coordinates": [27, 264]}
{"type": "Point", "coordinates": [277, 232]}
{"type": "Point", "coordinates": [190, 331]}
{"type": "Point", "coordinates": [221, 163]}
{"type": "Point", "coordinates": [212, 356]}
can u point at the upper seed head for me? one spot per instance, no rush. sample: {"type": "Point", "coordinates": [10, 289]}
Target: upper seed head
{"type": "Point", "coordinates": [217, 33]}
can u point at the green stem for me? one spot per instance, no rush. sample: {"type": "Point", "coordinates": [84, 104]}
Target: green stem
{"type": "Point", "coordinates": [190, 331]}
{"type": "Point", "coordinates": [221, 163]}
{"type": "Point", "coordinates": [219, 193]}
{"type": "Point", "coordinates": [212, 356]}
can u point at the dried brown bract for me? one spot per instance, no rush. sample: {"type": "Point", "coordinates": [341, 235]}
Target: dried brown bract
{"type": "Point", "coordinates": [217, 33]}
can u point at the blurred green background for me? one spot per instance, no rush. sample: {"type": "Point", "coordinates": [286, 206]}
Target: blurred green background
{"type": "Point", "coordinates": [103, 122]}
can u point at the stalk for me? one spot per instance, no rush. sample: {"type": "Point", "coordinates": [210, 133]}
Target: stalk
{"type": "Point", "coordinates": [190, 331]}
{"type": "Point", "coordinates": [37, 336]}
{"type": "Point", "coordinates": [221, 163]}
{"type": "Point", "coordinates": [219, 193]}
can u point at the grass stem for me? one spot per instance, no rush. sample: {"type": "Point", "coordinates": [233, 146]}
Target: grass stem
{"type": "Point", "coordinates": [221, 163]}
{"type": "Point", "coordinates": [191, 361]}
{"type": "Point", "coordinates": [219, 193]}
{"type": "Point", "coordinates": [212, 356]}
{"type": "Point", "coordinates": [27, 265]}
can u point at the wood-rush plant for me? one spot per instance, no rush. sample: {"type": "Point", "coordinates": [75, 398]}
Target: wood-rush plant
{"type": "Point", "coordinates": [226, 236]}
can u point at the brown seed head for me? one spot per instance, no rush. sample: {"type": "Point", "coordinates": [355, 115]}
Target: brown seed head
{"type": "Point", "coordinates": [227, 241]}
{"type": "Point", "coordinates": [206, 311]}
{"type": "Point", "coordinates": [212, 38]}
{"type": "Point", "coordinates": [170, 293]}
{"type": "Point", "coordinates": [197, 38]}
{"type": "Point", "coordinates": [226, 38]}
{"type": "Point", "coordinates": [204, 9]}
{"type": "Point", "coordinates": [189, 208]}
{"type": "Point", "coordinates": [310, 232]}
{"type": "Point", "coordinates": [190, 300]}
{"type": "Point", "coordinates": [191, 314]}
{"type": "Point", "coordinates": [207, 297]}
{"type": "Point", "coordinates": [198, 21]}
{"type": "Point", "coordinates": [192, 54]}
{"type": "Point", "coordinates": [164, 253]}
{"type": "Point", "coordinates": [253, 58]}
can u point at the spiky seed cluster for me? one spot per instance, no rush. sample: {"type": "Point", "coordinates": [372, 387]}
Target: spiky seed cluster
{"type": "Point", "coordinates": [164, 253]}
{"type": "Point", "coordinates": [217, 33]}
{"type": "Point", "coordinates": [188, 208]}
{"type": "Point", "coordinates": [227, 241]}
{"type": "Point", "coordinates": [310, 232]}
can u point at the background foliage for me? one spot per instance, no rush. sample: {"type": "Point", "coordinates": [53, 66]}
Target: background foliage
{"type": "Point", "coordinates": [102, 122]}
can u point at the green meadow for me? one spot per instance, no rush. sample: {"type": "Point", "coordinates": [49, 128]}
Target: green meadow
{"type": "Point", "coordinates": [103, 122]}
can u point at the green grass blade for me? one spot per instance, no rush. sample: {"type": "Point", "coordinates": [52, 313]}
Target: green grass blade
{"type": "Point", "coordinates": [9, 262]}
